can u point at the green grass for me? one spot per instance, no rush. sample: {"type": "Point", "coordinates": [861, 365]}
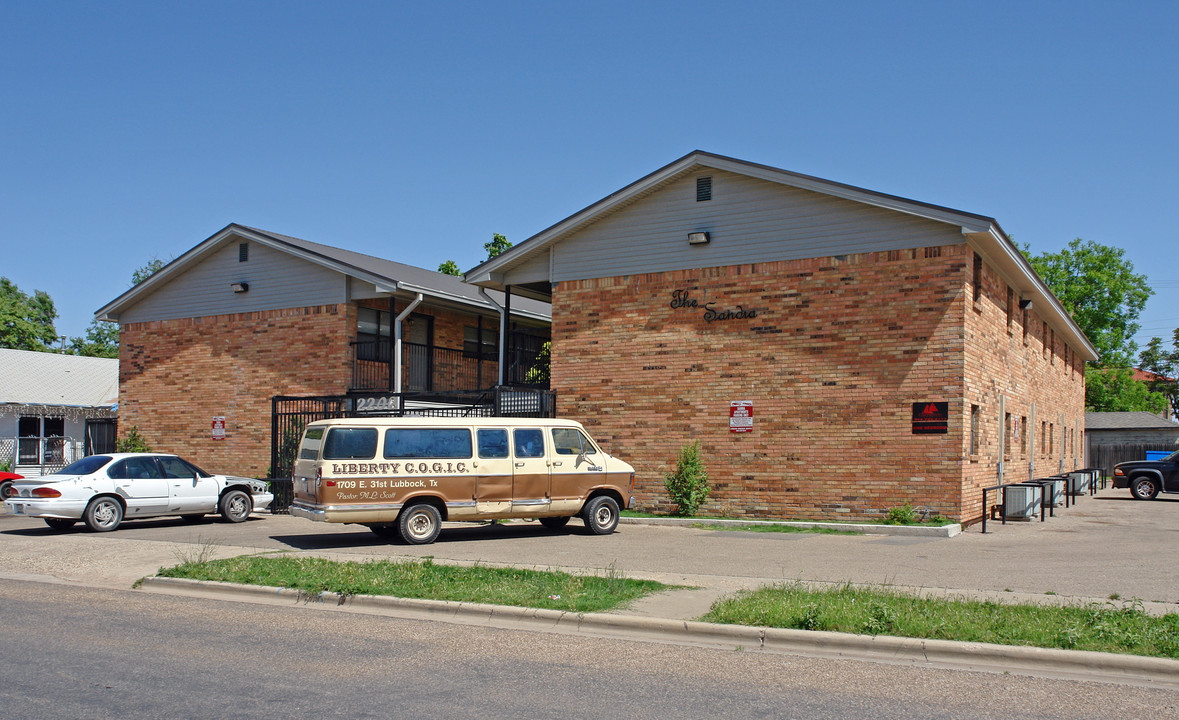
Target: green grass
{"type": "Point", "coordinates": [424, 579]}
{"type": "Point", "coordinates": [767, 528]}
{"type": "Point", "coordinates": [1109, 627]}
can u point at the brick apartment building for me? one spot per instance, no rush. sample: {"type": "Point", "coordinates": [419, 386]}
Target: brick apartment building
{"type": "Point", "coordinates": [836, 351]}
{"type": "Point", "coordinates": [246, 315]}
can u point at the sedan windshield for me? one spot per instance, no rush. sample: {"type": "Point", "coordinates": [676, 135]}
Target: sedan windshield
{"type": "Point", "coordinates": [85, 466]}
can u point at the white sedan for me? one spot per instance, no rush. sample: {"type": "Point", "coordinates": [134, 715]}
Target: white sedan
{"type": "Point", "coordinates": [104, 490]}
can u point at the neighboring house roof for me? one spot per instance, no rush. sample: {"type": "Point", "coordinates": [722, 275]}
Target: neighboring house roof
{"type": "Point", "coordinates": [43, 378]}
{"type": "Point", "coordinates": [1148, 376]}
{"type": "Point", "coordinates": [1140, 420]}
{"type": "Point", "coordinates": [983, 233]}
{"type": "Point", "coordinates": [386, 275]}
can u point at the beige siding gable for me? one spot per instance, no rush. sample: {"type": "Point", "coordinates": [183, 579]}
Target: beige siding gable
{"type": "Point", "coordinates": [276, 280]}
{"type": "Point", "coordinates": [748, 219]}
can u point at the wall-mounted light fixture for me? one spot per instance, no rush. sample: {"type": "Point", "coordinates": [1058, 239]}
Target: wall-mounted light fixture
{"type": "Point", "coordinates": [1025, 303]}
{"type": "Point", "coordinates": [240, 287]}
{"type": "Point", "coordinates": [698, 238]}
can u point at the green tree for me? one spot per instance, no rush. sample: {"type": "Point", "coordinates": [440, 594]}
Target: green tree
{"type": "Point", "coordinates": [146, 271]}
{"type": "Point", "coordinates": [1164, 364]}
{"type": "Point", "coordinates": [1097, 285]}
{"type": "Point", "coordinates": [496, 245]}
{"type": "Point", "coordinates": [26, 322]}
{"type": "Point", "coordinates": [450, 267]}
{"type": "Point", "coordinates": [1114, 389]}
{"type": "Point", "coordinates": [687, 485]}
{"type": "Point", "coordinates": [101, 340]}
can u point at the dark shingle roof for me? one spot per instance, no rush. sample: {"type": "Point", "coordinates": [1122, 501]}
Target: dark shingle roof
{"type": "Point", "coordinates": [1127, 421]}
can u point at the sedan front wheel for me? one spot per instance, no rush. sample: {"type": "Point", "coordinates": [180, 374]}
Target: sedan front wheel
{"type": "Point", "coordinates": [236, 506]}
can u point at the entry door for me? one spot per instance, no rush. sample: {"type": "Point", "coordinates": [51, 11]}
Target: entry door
{"type": "Point", "coordinates": [578, 466]}
{"type": "Point", "coordinates": [530, 470]}
{"type": "Point", "coordinates": [142, 484]}
{"type": "Point", "coordinates": [493, 469]}
{"type": "Point", "coordinates": [187, 490]}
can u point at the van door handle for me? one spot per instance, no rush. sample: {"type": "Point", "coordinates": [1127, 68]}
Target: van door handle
{"type": "Point", "coordinates": [556, 462]}
{"type": "Point", "coordinates": [519, 464]}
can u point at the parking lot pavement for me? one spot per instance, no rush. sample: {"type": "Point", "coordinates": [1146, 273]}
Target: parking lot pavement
{"type": "Point", "coordinates": [1107, 546]}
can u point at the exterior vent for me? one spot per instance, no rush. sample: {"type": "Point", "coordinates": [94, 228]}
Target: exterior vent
{"type": "Point", "coordinates": [1078, 483]}
{"type": "Point", "coordinates": [1021, 502]}
{"type": "Point", "coordinates": [1055, 493]}
{"type": "Point", "coordinates": [243, 252]}
{"type": "Point", "coordinates": [703, 189]}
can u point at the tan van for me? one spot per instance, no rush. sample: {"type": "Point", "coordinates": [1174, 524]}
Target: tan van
{"type": "Point", "coordinates": [402, 477]}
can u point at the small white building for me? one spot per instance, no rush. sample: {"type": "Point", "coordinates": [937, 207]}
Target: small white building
{"type": "Point", "coordinates": [55, 409]}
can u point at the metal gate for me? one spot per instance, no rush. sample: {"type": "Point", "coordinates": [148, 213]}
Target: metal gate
{"type": "Point", "coordinates": [290, 414]}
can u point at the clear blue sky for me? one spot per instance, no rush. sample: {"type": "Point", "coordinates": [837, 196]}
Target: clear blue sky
{"type": "Point", "coordinates": [413, 131]}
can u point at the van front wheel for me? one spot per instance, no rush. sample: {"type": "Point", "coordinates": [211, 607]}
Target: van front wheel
{"type": "Point", "coordinates": [600, 515]}
{"type": "Point", "coordinates": [420, 524]}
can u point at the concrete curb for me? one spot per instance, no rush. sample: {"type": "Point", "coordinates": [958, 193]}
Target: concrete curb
{"type": "Point", "coordinates": [941, 531]}
{"type": "Point", "coordinates": [980, 657]}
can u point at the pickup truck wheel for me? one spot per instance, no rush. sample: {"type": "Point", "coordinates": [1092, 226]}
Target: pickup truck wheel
{"type": "Point", "coordinates": [60, 523]}
{"type": "Point", "coordinates": [1144, 488]}
{"type": "Point", "coordinates": [600, 515]}
{"type": "Point", "coordinates": [554, 523]}
{"type": "Point", "coordinates": [235, 506]}
{"type": "Point", "coordinates": [420, 524]}
{"type": "Point", "coordinates": [103, 514]}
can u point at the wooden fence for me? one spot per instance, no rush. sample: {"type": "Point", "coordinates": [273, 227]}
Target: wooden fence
{"type": "Point", "coordinates": [1105, 456]}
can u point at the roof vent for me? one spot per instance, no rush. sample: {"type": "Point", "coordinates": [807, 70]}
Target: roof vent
{"type": "Point", "coordinates": [243, 252]}
{"type": "Point", "coordinates": [703, 189]}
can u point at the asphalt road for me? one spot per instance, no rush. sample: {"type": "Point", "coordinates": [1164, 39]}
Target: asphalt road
{"type": "Point", "coordinates": [69, 651]}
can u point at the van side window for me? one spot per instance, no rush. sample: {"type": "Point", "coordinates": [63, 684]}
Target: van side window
{"type": "Point", "coordinates": [570, 441]}
{"type": "Point", "coordinates": [350, 444]}
{"type": "Point", "coordinates": [445, 443]}
{"type": "Point", "coordinates": [529, 442]}
{"type": "Point", "coordinates": [493, 443]}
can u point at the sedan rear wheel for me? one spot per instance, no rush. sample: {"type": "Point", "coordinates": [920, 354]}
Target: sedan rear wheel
{"type": "Point", "coordinates": [103, 514]}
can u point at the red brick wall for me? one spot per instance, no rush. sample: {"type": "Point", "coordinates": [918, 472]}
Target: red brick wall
{"type": "Point", "coordinates": [176, 375]}
{"type": "Point", "coordinates": [839, 350]}
{"type": "Point", "coordinates": [1003, 366]}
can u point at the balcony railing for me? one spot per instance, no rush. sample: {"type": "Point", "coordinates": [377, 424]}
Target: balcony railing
{"type": "Point", "coordinates": [436, 369]}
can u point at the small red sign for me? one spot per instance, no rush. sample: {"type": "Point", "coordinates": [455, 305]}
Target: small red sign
{"type": "Point", "coordinates": [218, 428]}
{"type": "Point", "coordinates": [931, 418]}
{"type": "Point", "coordinates": [741, 416]}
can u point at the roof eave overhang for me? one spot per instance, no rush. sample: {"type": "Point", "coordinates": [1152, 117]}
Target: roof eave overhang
{"type": "Point", "coordinates": [996, 247]}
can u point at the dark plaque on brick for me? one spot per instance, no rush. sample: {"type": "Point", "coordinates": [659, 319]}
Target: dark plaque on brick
{"type": "Point", "coordinates": [931, 418]}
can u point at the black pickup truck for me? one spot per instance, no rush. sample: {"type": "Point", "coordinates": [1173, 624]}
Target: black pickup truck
{"type": "Point", "coordinates": [1147, 478]}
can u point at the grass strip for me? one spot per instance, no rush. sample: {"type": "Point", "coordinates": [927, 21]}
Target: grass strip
{"type": "Point", "coordinates": [1106, 627]}
{"type": "Point", "coordinates": [768, 528]}
{"type": "Point", "coordinates": [931, 522]}
{"type": "Point", "coordinates": [423, 579]}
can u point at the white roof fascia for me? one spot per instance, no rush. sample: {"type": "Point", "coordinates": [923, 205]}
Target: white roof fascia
{"type": "Point", "coordinates": [467, 301]}
{"type": "Point", "coordinates": [996, 247]}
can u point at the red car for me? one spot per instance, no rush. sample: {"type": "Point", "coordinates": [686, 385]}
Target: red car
{"type": "Point", "coordinates": [6, 479]}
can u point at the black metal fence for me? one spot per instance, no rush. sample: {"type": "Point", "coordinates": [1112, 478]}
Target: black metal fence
{"type": "Point", "coordinates": [1105, 456]}
{"type": "Point", "coordinates": [429, 368]}
{"type": "Point", "coordinates": [290, 414]}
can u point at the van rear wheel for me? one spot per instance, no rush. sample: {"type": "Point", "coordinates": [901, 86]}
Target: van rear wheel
{"type": "Point", "coordinates": [600, 515]}
{"type": "Point", "coordinates": [420, 524]}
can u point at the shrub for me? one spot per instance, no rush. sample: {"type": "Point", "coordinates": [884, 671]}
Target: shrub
{"type": "Point", "coordinates": [903, 515]}
{"type": "Point", "coordinates": [687, 485]}
{"type": "Point", "coordinates": [132, 442]}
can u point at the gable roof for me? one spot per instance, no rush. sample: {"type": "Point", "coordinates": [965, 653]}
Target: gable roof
{"type": "Point", "coordinates": [982, 232]}
{"type": "Point", "coordinates": [386, 275]}
{"type": "Point", "coordinates": [1139, 420]}
{"type": "Point", "coordinates": [44, 378]}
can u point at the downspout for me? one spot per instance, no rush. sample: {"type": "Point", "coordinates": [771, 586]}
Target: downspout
{"type": "Point", "coordinates": [502, 322]}
{"type": "Point", "coordinates": [397, 342]}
